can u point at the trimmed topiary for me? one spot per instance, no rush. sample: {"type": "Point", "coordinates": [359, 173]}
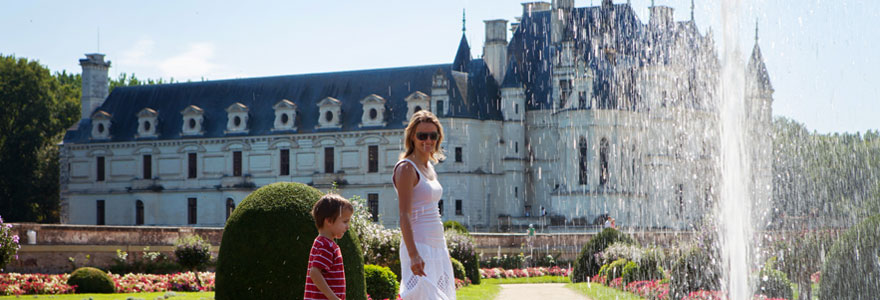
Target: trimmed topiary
{"type": "Point", "coordinates": [852, 268]}
{"type": "Point", "coordinates": [266, 242]}
{"type": "Point", "coordinates": [381, 282]}
{"type": "Point", "coordinates": [773, 283]}
{"type": "Point", "coordinates": [458, 269]}
{"type": "Point", "coordinates": [694, 270]}
{"type": "Point", "coordinates": [91, 280]}
{"type": "Point", "coordinates": [192, 252]}
{"type": "Point", "coordinates": [614, 269]}
{"type": "Point", "coordinates": [587, 263]}
{"type": "Point", "coordinates": [457, 226]}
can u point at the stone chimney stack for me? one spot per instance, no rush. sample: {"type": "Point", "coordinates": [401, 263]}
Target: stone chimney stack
{"type": "Point", "coordinates": [495, 48]}
{"type": "Point", "coordinates": [661, 18]}
{"type": "Point", "coordinates": [560, 19]}
{"type": "Point", "coordinates": [95, 83]}
{"type": "Point", "coordinates": [530, 7]}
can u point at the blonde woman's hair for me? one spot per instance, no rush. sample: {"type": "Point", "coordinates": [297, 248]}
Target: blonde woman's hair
{"type": "Point", "coordinates": [410, 135]}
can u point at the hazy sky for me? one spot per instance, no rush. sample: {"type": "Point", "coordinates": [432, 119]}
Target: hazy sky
{"type": "Point", "coordinates": [822, 55]}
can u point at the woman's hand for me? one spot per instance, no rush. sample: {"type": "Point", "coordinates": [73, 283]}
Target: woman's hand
{"type": "Point", "coordinates": [418, 265]}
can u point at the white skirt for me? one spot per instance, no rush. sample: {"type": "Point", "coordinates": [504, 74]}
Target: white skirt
{"type": "Point", "coordinates": [439, 283]}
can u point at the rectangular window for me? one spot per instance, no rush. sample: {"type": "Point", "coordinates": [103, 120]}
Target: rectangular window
{"type": "Point", "coordinates": [191, 161]}
{"type": "Point", "coordinates": [516, 108]}
{"type": "Point", "coordinates": [458, 207]}
{"type": "Point", "coordinates": [679, 193]}
{"type": "Point", "coordinates": [236, 163]}
{"type": "Point", "coordinates": [148, 166]}
{"type": "Point", "coordinates": [328, 160]}
{"type": "Point", "coordinates": [100, 168]}
{"type": "Point", "coordinates": [373, 202]}
{"type": "Point", "coordinates": [516, 192]}
{"type": "Point", "coordinates": [373, 159]}
{"type": "Point", "coordinates": [457, 154]}
{"type": "Point", "coordinates": [192, 210]}
{"type": "Point", "coordinates": [564, 92]}
{"type": "Point", "coordinates": [582, 100]}
{"type": "Point", "coordinates": [439, 108]}
{"type": "Point", "coordinates": [100, 212]}
{"type": "Point", "coordinates": [285, 162]}
{"type": "Point", "coordinates": [440, 206]}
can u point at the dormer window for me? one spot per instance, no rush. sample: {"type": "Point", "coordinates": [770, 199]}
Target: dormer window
{"type": "Point", "coordinates": [285, 115]}
{"type": "Point", "coordinates": [237, 118]}
{"type": "Point", "coordinates": [147, 121]}
{"type": "Point", "coordinates": [374, 111]}
{"type": "Point", "coordinates": [101, 125]}
{"type": "Point", "coordinates": [331, 112]}
{"type": "Point", "coordinates": [193, 120]}
{"type": "Point", "coordinates": [416, 102]}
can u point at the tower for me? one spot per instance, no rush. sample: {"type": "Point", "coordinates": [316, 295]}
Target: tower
{"type": "Point", "coordinates": [495, 48]}
{"type": "Point", "coordinates": [95, 83]}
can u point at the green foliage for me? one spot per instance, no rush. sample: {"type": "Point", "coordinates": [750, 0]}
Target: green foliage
{"type": "Point", "coordinates": [802, 255]}
{"type": "Point", "coordinates": [851, 270]}
{"type": "Point", "coordinates": [461, 247]}
{"type": "Point", "coordinates": [381, 282]}
{"type": "Point", "coordinates": [614, 269]}
{"type": "Point", "coordinates": [380, 245]}
{"type": "Point", "coordinates": [456, 226]}
{"type": "Point", "coordinates": [91, 280]}
{"type": "Point", "coordinates": [9, 244]}
{"type": "Point", "coordinates": [773, 283]}
{"type": "Point", "coordinates": [588, 262]}
{"type": "Point", "coordinates": [149, 262]}
{"type": "Point", "coordinates": [505, 261]}
{"type": "Point", "coordinates": [648, 268]}
{"type": "Point", "coordinates": [458, 269]}
{"type": "Point", "coordinates": [38, 107]}
{"type": "Point", "coordinates": [696, 269]}
{"type": "Point", "coordinates": [125, 80]}
{"type": "Point", "coordinates": [192, 252]}
{"type": "Point", "coordinates": [266, 243]}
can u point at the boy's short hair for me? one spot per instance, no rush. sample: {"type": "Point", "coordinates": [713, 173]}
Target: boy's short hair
{"type": "Point", "coordinates": [330, 207]}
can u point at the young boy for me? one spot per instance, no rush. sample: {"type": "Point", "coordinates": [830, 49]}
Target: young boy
{"type": "Point", "coordinates": [326, 277]}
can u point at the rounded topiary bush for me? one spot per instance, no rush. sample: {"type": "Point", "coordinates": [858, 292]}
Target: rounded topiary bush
{"type": "Point", "coordinates": [266, 242]}
{"type": "Point", "coordinates": [695, 270]}
{"type": "Point", "coordinates": [852, 268]}
{"type": "Point", "coordinates": [456, 226]}
{"type": "Point", "coordinates": [91, 280]}
{"type": "Point", "coordinates": [458, 269]}
{"type": "Point", "coordinates": [381, 282]}
{"type": "Point", "coordinates": [192, 252]}
{"type": "Point", "coordinates": [587, 263]}
{"type": "Point", "coordinates": [774, 283]}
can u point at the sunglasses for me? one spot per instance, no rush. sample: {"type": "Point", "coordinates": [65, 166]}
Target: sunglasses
{"type": "Point", "coordinates": [426, 135]}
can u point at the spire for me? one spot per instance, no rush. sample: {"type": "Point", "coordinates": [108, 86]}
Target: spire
{"type": "Point", "coordinates": [756, 31]}
{"type": "Point", "coordinates": [757, 69]}
{"type": "Point", "coordinates": [462, 21]}
{"type": "Point", "coordinates": [692, 11]}
{"type": "Point", "coordinates": [462, 56]}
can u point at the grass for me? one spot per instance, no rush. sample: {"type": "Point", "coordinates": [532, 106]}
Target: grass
{"type": "Point", "coordinates": [143, 296]}
{"type": "Point", "coordinates": [600, 292]}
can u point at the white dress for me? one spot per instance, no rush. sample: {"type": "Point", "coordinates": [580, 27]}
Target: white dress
{"type": "Point", "coordinates": [431, 244]}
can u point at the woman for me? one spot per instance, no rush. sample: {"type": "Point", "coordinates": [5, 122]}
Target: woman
{"type": "Point", "coordinates": [424, 261]}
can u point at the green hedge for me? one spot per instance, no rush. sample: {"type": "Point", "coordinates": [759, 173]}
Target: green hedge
{"type": "Point", "coordinates": [773, 283]}
{"type": "Point", "coordinates": [458, 269]}
{"type": "Point", "coordinates": [696, 269]}
{"type": "Point", "coordinates": [586, 264]}
{"type": "Point", "coordinates": [266, 242]}
{"type": "Point", "coordinates": [851, 270]}
{"type": "Point", "coordinates": [91, 280]}
{"type": "Point", "coordinates": [381, 282]}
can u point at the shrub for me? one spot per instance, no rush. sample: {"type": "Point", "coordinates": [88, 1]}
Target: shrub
{"type": "Point", "coordinates": [773, 283]}
{"type": "Point", "coordinates": [801, 256]}
{"type": "Point", "coordinates": [620, 250]}
{"type": "Point", "coordinates": [458, 269]}
{"type": "Point", "coordinates": [379, 244]}
{"type": "Point", "coordinates": [456, 226]}
{"type": "Point", "coordinates": [192, 252]}
{"type": "Point", "coordinates": [381, 282]}
{"type": "Point", "coordinates": [461, 247]}
{"type": "Point", "coordinates": [587, 263]}
{"type": "Point", "coordinates": [91, 280]}
{"type": "Point", "coordinates": [8, 244]}
{"type": "Point", "coordinates": [851, 270]}
{"type": "Point", "coordinates": [614, 269]}
{"type": "Point", "coordinates": [695, 270]}
{"type": "Point", "coordinates": [266, 242]}
{"type": "Point", "coordinates": [505, 262]}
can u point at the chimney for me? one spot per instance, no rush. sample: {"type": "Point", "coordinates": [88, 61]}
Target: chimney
{"type": "Point", "coordinates": [495, 48]}
{"type": "Point", "coordinates": [560, 19]}
{"type": "Point", "coordinates": [530, 7]}
{"type": "Point", "coordinates": [95, 83]}
{"type": "Point", "coordinates": [661, 17]}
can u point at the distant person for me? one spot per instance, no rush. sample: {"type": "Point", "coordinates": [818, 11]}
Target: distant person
{"type": "Point", "coordinates": [326, 277]}
{"type": "Point", "coordinates": [607, 223]}
{"type": "Point", "coordinates": [543, 212]}
{"type": "Point", "coordinates": [425, 265]}
{"type": "Point", "coordinates": [613, 223]}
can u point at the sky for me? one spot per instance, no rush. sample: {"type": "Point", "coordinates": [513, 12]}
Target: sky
{"type": "Point", "coordinates": [821, 55]}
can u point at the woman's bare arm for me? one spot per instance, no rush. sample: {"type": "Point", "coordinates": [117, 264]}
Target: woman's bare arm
{"type": "Point", "coordinates": [405, 178]}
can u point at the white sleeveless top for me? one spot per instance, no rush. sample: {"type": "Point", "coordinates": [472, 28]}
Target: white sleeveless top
{"type": "Point", "coordinates": [431, 244]}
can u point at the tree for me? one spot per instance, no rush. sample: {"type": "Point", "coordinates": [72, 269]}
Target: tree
{"type": "Point", "coordinates": [35, 109]}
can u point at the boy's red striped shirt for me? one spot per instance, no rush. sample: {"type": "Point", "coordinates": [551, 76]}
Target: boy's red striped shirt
{"type": "Point", "coordinates": [327, 257]}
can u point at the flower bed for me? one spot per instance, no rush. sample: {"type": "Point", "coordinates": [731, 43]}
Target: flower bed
{"type": "Point", "coordinates": [32, 284]}
{"type": "Point", "coordinates": [523, 273]}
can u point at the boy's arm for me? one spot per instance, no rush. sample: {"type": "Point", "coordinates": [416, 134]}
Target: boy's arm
{"type": "Point", "coordinates": [319, 281]}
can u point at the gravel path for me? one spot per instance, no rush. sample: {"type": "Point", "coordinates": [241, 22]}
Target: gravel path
{"type": "Point", "coordinates": [538, 291]}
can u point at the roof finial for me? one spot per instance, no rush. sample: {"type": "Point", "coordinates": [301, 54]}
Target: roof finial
{"type": "Point", "coordinates": [756, 30]}
{"type": "Point", "coordinates": [692, 10]}
{"type": "Point", "coordinates": [652, 3]}
{"type": "Point", "coordinates": [462, 20]}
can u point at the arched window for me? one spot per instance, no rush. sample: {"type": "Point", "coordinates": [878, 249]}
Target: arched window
{"type": "Point", "coordinates": [230, 206]}
{"type": "Point", "coordinates": [582, 161]}
{"type": "Point", "coordinates": [139, 213]}
{"type": "Point", "coordinates": [603, 162]}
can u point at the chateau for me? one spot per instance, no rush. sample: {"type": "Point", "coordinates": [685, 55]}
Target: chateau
{"type": "Point", "coordinates": [581, 112]}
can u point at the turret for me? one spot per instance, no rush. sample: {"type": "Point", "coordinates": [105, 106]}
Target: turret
{"type": "Point", "coordinates": [495, 48]}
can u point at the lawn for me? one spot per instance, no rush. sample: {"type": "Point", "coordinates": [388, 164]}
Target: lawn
{"type": "Point", "coordinates": [599, 292]}
{"type": "Point", "coordinates": [143, 296]}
